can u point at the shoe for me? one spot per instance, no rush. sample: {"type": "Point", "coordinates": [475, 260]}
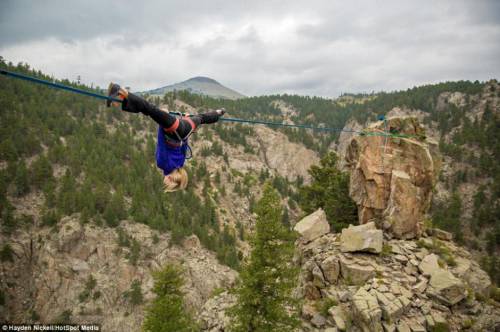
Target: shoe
{"type": "Point", "coordinates": [212, 116]}
{"type": "Point", "coordinates": [113, 92]}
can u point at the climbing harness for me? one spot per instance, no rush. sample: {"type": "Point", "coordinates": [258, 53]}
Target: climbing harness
{"type": "Point", "coordinates": [224, 119]}
{"type": "Point", "coordinates": [179, 141]}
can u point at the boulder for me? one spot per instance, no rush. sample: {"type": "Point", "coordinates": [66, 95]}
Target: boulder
{"type": "Point", "coordinates": [355, 273]}
{"type": "Point", "coordinates": [429, 264]}
{"type": "Point", "coordinates": [339, 317]}
{"type": "Point", "coordinates": [318, 278]}
{"type": "Point", "coordinates": [479, 281]}
{"type": "Point", "coordinates": [361, 238]}
{"type": "Point", "coordinates": [331, 269]}
{"type": "Point", "coordinates": [79, 265]}
{"type": "Point", "coordinates": [318, 320]}
{"type": "Point", "coordinates": [313, 226]}
{"type": "Point", "coordinates": [476, 278]}
{"type": "Point", "coordinates": [392, 177]}
{"type": "Point", "coordinates": [308, 311]}
{"type": "Point", "coordinates": [442, 235]}
{"type": "Point", "coordinates": [311, 292]}
{"type": "Point", "coordinates": [445, 287]}
{"type": "Point", "coordinates": [366, 311]}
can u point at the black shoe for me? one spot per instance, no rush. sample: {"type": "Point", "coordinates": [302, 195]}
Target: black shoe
{"type": "Point", "coordinates": [212, 116]}
{"type": "Point", "coordinates": [113, 92]}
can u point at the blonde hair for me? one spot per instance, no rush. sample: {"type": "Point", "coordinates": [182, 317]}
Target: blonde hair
{"type": "Point", "coordinates": [177, 180]}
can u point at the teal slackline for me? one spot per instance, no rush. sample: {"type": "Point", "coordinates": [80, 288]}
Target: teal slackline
{"type": "Point", "coordinates": [278, 124]}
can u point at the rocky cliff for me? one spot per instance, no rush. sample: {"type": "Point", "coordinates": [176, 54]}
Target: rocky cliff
{"type": "Point", "coordinates": [83, 273]}
{"type": "Point", "coordinates": [392, 176]}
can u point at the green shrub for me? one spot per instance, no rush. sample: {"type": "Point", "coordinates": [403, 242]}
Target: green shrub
{"type": "Point", "coordinates": [467, 324]}
{"type": "Point", "coordinates": [135, 252]}
{"type": "Point", "coordinates": [217, 291]}
{"type": "Point", "coordinates": [324, 305]}
{"type": "Point", "coordinates": [123, 238]}
{"type": "Point", "coordinates": [495, 294]}
{"type": "Point", "coordinates": [84, 295]}
{"type": "Point", "coordinates": [156, 239]}
{"type": "Point", "coordinates": [440, 327]}
{"type": "Point", "coordinates": [90, 284]}
{"type": "Point", "coordinates": [64, 317]}
{"type": "Point", "coordinates": [386, 250]}
{"type": "Point", "coordinates": [6, 253]}
{"type": "Point", "coordinates": [97, 295]}
{"type": "Point", "coordinates": [135, 293]}
{"type": "Point", "coordinates": [480, 297]}
{"type": "Point", "coordinates": [50, 218]}
{"type": "Point", "coordinates": [34, 316]}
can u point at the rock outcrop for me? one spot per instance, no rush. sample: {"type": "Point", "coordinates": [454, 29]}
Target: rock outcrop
{"type": "Point", "coordinates": [410, 286]}
{"type": "Point", "coordinates": [392, 176]}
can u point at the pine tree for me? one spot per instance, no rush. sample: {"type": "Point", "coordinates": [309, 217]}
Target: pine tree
{"type": "Point", "coordinates": [21, 179]}
{"type": "Point", "coordinates": [41, 171]}
{"type": "Point", "coordinates": [329, 190]}
{"type": "Point", "coordinates": [167, 312]}
{"type": "Point", "coordinates": [264, 294]}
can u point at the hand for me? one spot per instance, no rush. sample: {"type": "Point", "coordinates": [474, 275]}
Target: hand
{"type": "Point", "coordinates": [221, 111]}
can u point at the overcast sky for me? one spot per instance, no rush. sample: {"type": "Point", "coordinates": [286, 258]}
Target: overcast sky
{"type": "Point", "coordinates": [257, 47]}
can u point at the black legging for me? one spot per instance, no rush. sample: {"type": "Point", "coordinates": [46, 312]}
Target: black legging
{"type": "Point", "coordinates": [136, 104]}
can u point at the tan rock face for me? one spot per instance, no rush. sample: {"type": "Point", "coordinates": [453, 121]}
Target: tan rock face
{"type": "Point", "coordinates": [392, 177]}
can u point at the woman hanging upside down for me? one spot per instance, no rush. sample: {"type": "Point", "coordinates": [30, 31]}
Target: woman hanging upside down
{"type": "Point", "coordinates": [173, 134]}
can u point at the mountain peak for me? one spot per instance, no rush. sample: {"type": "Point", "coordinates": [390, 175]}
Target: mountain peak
{"type": "Point", "coordinates": [203, 79]}
{"type": "Point", "coordinates": [200, 85]}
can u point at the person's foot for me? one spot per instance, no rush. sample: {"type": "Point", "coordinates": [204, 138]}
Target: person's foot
{"type": "Point", "coordinates": [212, 116]}
{"type": "Point", "coordinates": [116, 92]}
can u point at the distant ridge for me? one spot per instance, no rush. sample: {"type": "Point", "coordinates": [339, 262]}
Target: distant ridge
{"type": "Point", "coordinates": [199, 85]}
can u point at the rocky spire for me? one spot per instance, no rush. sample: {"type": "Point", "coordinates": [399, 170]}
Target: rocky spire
{"type": "Point", "coordinates": [392, 176]}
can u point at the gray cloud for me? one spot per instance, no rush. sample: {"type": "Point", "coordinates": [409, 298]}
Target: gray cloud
{"type": "Point", "coordinates": [259, 47]}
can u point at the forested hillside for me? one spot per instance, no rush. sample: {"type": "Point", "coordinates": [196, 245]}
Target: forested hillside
{"type": "Point", "coordinates": [103, 162]}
